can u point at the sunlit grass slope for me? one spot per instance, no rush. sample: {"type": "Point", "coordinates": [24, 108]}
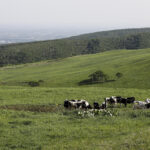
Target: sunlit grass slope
{"type": "Point", "coordinates": [134, 64]}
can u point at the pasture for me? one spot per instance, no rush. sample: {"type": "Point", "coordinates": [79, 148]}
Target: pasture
{"type": "Point", "coordinates": [68, 72]}
{"type": "Point", "coordinates": [33, 118]}
{"type": "Point", "coordinates": [64, 129]}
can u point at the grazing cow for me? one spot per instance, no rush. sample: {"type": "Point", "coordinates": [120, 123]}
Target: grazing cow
{"type": "Point", "coordinates": [139, 105]}
{"type": "Point", "coordinates": [77, 104]}
{"type": "Point", "coordinates": [66, 104]}
{"type": "Point", "coordinates": [125, 101]}
{"type": "Point", "coordinates": [140, 102]}
{"type": "Point", "coordinates": [119, 99]}
{"type": "Point", "coordinates": [147, 105]}
{"type": "Point", "coordinates": [111, 100]}
{"type": "Point", "coordinates": [130, 100]}
{"type": "Point", "coordinates": [96, 105]}
{"type": "Point", "coordinates": [84, 104]}
{"type": "Point", "coordinates": [70, 104]}
{"type": "Point", "coordinates": [147, 100]}
{"type": "Point", "coordinates": [103, 106]}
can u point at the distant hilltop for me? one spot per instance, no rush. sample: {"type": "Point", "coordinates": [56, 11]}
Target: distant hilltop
{"type": "Point", "coordinates": [75, 45]}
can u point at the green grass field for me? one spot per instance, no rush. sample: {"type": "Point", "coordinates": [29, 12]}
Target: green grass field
{"type": "Point", "coordinates": [134, 64]}
{"type": "Point", "coordinates": [60, 129]}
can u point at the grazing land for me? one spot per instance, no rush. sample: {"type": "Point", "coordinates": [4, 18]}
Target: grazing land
{"type": "Point", "coordinates": [68, 72]}
{"type": "Point", "coordinates": [62, 129]}
{"type": "Point", "coordinates": [34, 117]}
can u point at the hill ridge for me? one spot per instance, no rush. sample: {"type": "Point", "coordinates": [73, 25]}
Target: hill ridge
{"type": "Point", "coordinates": [68, 72]}
{"type": "Point", "coordinates": [79, 45]}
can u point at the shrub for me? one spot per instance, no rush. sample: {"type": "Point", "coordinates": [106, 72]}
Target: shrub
{"type": "Point", "coordinates": [33, 83]}
{"type": "Point", "coordinates": [119, 75]}
{"type": "Point", "coordinates": [99, 76]}
{"type": "Point", "coordinates": [40, 81]}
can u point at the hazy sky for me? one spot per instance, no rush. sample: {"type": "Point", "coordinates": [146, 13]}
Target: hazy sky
{"type": "Point", "coordinates": [83, 14]}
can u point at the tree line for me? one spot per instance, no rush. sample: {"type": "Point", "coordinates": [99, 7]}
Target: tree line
{"type": "Point", "coordinates": [54, 49]}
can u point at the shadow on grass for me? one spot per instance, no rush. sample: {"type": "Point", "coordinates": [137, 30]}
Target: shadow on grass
{"type": "Point", "coordinates": [34, 108]}
{"type": "Point", "coordinates": [89, 81]}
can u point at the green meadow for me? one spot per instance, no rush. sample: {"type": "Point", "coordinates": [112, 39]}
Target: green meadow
{"type": "Point", "coordinates": [33, 118]}
{"type": "Point", "coordinates": [134, 64]}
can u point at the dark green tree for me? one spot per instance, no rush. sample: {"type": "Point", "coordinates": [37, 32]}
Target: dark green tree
{"type": "Point", "coordinates": [119, 75]}
{"type": "Point", "coordinates": [133, 42]}
{"type": "Point", "coordinates": [21, 57]}
{"type": "Point", "coordinates": [93, 46]}
{"type": "Point", "coordinates": [98, 76]}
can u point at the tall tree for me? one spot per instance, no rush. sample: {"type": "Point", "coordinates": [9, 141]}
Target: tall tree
{"type": "Point", "coordinates": [133, 42]}
{"type": "Point", "coordinates": [93, 46]}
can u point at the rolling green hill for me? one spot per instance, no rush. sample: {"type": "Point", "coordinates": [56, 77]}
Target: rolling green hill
{"type": "Point", "coordinates": [34, 118]}
{"type": "Point", "coordinates": [83, 44]}
{"type": "Point", "coordinates": [67, 72]}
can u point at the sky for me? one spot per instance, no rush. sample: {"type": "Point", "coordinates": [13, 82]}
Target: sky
{"type": "Point", "coordinates": [75, 14]}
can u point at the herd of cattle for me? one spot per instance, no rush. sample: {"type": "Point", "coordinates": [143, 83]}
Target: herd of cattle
{"type": "Point", "coordinates": [113, 100]}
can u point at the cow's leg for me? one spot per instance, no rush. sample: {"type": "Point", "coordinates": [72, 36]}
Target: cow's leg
{"type": "Point", "coordinates": [126, 103]}
{"type": "Point", "coordinates": [105, 104]}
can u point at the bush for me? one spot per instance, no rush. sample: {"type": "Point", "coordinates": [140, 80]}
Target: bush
{"type": "Point", "coordinates": [40, 81]}
{"type": "Point", "coordinates": [119, 75]}
{"type": "Point", "coordinates": [33, 83]}
{"type": "Point", "coordinates": [98, 76]}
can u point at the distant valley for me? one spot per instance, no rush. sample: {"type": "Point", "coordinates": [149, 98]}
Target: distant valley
{"type": "Point", "coordinates": [22, 36]}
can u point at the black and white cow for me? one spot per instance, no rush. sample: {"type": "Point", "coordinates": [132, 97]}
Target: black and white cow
{"type": "Point", "coordinates": [77, 104]}
{"type": "Point", "coordinates": [125, 101]}
{"type": "Point", "coordinates": [142, 104]}
{"type": "Point", "coordinates": [139, 105]}
{"type": "Point", "coordinates": [103, 105]}
{"type": "Point", "coordinates": [111, 100]}
{"type": "Point", "coordinates": [118, 99]}
{"type": "Point", "coordinates": [96, 105]}
{"type": "Point", "coordinates": [147, 105]}
{"type": "Point", "coordinates": [147, 100]}
{"type": "Point", "coordinates": [83, 104]}
{"type": "Point", "coordinates": [70, 104]}
{"type": "Point", "coordinates": [130, 100]}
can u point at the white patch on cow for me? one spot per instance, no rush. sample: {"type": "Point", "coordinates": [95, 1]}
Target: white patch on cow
{"type": "Point", "coordinates": [147, 100]}
{"type": "Point", "coordinates": [86, 103]}
{"type": "Point", "coordinates": [107, 98]}
{"type": "Point", "coordinates": [139, 105]}
{"type": "Point", "coordinates": [103, 103]}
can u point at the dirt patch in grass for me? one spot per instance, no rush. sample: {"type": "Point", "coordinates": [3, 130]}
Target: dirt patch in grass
{"type": "Point", "coordinates": [34, 108]}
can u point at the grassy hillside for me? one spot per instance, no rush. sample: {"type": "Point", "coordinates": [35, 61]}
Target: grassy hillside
{"type": "Point", "coordinates": [83, 44]}
{"type": "Point", "coordinates": [34, 118]}
{"type": "Point", "coordinates": [134, 64]}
